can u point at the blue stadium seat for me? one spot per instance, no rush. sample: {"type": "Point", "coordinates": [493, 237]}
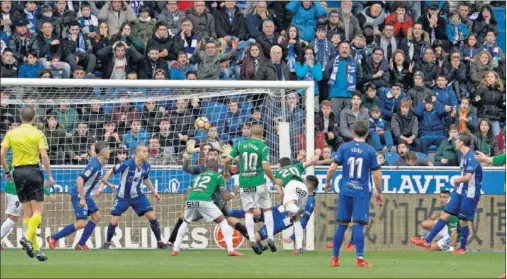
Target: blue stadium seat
{"type": "Point", "coordinates": [216, 112]}
{"type": "Point", "coordinates": [432, 148]}
{"type": "Point", "coordinates": [391, 157]}
{"type": "Point", "coordinates": [422, 155]}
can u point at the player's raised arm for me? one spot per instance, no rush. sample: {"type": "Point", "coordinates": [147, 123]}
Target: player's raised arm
{"type": "Point", "coordinates": [315, 158]}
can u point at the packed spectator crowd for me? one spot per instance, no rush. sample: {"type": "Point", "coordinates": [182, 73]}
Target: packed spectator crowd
{"type": "Point", "coordinates": [419, 71]}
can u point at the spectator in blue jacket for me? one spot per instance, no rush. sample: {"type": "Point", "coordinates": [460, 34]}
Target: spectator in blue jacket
{"type": "Point", "coordinates": [379, 134]}
{"type": "Point", "coordinates": [233, 122]}
{"type": "Point", "coordinates": [136, 136]}
{"type": "Point", "coordinates": [344, 74]}
{"type": "Point", "coordinates": [255, 19]}
{"type": "Point", "coordinates": [431, 126]}
{"type": "Point", "coordinates": [447, 97]}
{"type": "Point", "coordinates": [31, 14]}
{"type": "Point", "coordinates": [457, 31]}
{"type": "Point", "coordinates": [178, 70]}
{"type": "Point", "coordinates": [307, 68]}
{"type": "Point", "coordinates": [31, 68]}
{"type": "Point", "coordinates": [390, 101]}
{"type": "Point", "coordinates": [306, 16]}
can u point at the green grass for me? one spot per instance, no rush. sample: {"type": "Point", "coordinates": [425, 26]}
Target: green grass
{"type": "Point", "coordinates": [215, 263]}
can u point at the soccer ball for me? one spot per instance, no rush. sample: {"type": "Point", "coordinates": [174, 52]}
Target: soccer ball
{"type": "Point", "coordinates": [202, 123]}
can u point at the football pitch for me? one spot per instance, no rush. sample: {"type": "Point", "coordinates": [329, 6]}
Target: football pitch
{"type": "Point", "coordinates": [216, 264]}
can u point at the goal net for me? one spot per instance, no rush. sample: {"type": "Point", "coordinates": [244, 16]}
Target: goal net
{"type": "Point", "coordinates": [165, 116]}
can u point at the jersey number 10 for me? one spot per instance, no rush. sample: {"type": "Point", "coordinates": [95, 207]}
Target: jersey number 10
{"type": "Point", "coordinates": [355, 165]}
{"type": "Point", "coordinates": [250, 161]}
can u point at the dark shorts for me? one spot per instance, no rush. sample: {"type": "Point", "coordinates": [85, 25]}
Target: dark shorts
{"type": "Point", "coordinates": [139, 204]}
{"type": "Point", "coordinates": [29, 183]}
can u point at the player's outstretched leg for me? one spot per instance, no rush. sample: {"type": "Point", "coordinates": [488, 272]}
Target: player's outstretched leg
{"type": "Point", "coordinates": [111, 228]}
{"type": "Point", "coordinates": [155, 228]}
{"type": "Point", "coordinates": [270, 226]}
{"type": "Point", "coordinates": [337, 243]}
{"type": "Point", "coordinates": [298, 229]}
{"type": "Point", "coordinates": [442, 221]}
{"type": "Point", "coordinates": [465, 231]}
{"type": "Point", "coordinates": [174, 232]}
{"type": "Point", "coordinates": [351, 246]}
{"type": "Point", "coordinates": [88, 230]}
{"type": "Point", "coordinates": [179, 238]}
{"type": "Point", "coordinates": [358, 232]}
{"type": "Point", "coordinates": [7, 226]}
{"type": "Point", "coordinates": [250, 227]}
{"type": "Point", "coordinates": [227, 232]}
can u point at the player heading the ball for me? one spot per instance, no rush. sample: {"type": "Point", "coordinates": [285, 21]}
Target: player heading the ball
{"type": "Point", "coordinates": [295, 193]}
{"type": "Point", "coordinates": [199, 203]}
{"type": "Point", "coordinates": [134, 172]}
{"type": "Point", "coordinates": [254, 162]}
{"type": "Point", "coordinates": [359, 161]}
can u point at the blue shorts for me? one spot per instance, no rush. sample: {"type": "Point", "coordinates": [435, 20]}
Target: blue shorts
{"type": "Point", "coordinates": [279, 227]}
{"type": "Point", "coordinates": [82, 213]}
{"type": "Point", "coordinates": [461, 206]}
{"type": "Point", "coordinates": [353, 208]}
{"type": "Point", "coordinates": [139, 204]}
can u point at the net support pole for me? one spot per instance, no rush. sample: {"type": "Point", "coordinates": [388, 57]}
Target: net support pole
{"type": "Point", "coordinates": [310, 148]}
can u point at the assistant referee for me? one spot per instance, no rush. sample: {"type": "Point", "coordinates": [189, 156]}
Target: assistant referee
{"type": "Point", "coordinates": [27, 143]}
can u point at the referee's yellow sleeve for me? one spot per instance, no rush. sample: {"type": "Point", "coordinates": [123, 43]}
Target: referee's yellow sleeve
{"type": "Point", "coordinates": [6, 142]}
{"type": "Point", "coordinates": [43, 143]}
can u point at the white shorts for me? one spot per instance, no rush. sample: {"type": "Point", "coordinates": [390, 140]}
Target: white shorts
{"type": "Point", "coordinates": [206, 209]}
{"type": "Point", "coordinates": [255, 197]}
{"type": "Point", "coordinates": [295, 191]}
{"type": "Point", "coordinates": [444, 243]}
{"type": "Point", "coordinates": [14, 206]}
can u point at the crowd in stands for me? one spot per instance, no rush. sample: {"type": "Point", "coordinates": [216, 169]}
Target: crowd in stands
{"type": "Point", "coordinates": [419, 71]}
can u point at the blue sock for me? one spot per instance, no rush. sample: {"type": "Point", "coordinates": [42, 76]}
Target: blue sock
{"type": "Point", "coordinates": [358, 235]}
{"type": "Point", "coordinates": [464, 237]}
{"type": "Point", "coordinates": [155, 228]}
{"type": "Point", "coordinates": [436, 229]}
{"type": "Point", "coordinates": [110, 232]}
{"type": "Point", "coordinates": [68, 230]}
{"type": "Point", "coordinates": [90, 226]}
{"type": "Point", "coordinates": [352, 237]}
{"type": "Point", "coordinates": [338, 239]}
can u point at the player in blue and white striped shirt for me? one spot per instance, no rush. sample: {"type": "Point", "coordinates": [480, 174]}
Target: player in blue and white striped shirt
{"type": "Point", "coordinates": [134, 172]}
{"type": "Point", "coordinates": [82, 201]}
{"type": "Point", "coordinates": [464, 199]}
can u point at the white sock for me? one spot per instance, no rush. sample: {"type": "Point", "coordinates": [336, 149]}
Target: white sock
{"type": "Point", "coordinates": [270, 224]}
{"type": "Point", "coordinates": [7, 227]}
{"type": "Point", "coordinates": [424, 233]}
{"type": "Point", "coordinates": [250, 225]}
{"type": "Point", "coordinates": [179, 238]}
{"type": "Point", "coordinates": [227, 233]}
{"type": "Point", "coordinates": [298, 233]}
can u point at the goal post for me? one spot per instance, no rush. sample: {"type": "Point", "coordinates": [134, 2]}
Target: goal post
{"type": "Point", "coordinates": [214, 96]}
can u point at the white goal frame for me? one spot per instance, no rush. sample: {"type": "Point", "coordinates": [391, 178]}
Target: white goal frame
{"type": "Point", "coordinates": [307, 86]}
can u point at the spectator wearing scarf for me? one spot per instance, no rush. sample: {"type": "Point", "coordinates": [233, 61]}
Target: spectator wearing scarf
{"type": "Point", "coordinates": [344, 74]}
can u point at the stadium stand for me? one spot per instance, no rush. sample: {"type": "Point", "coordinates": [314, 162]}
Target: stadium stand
{"type": "Point", "coordinates": [408, 46]}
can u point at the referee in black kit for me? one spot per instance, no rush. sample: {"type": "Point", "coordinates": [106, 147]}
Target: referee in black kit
{"type": "Point", "coordinates": [27, 143]}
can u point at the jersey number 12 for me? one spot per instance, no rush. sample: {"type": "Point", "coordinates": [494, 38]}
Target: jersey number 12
{"type": "Point", "coordinates": [355, 165]}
